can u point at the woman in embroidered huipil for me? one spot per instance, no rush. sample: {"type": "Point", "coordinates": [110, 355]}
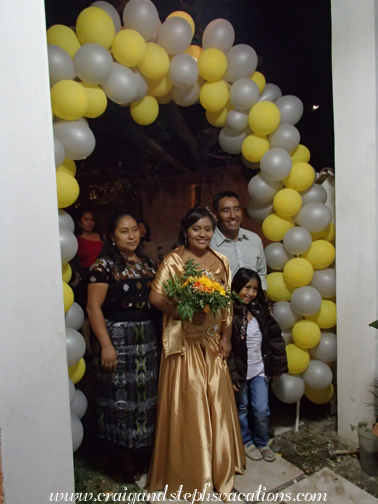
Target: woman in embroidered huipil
{"type": "Point", "coordinates": [123, 323]}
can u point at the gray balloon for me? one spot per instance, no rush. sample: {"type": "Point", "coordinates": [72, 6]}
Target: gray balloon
{"type": "Point", "coordinates": [219, 34]}
{"type": "Point", "coordinates": [186, 96]}
{"type": "Point", "coordinates": [287, 336]}
{"type": "Point", "coordinates": [142, 16]}
{"type": "Point", "coordinates": [263, 190]}
{"type": "Point", "coordinates": [297, 240]}
{"type": "Point", "coordinates": [289, 388]}
{"type": "Point", "coordinates": [284, 315]}
{"type": "Point", "coordinates": [276, 164]}
{"type": "Point", "coordinates": [325, 282]}
{"type": "Point", "coordinates": [78, 140]}
{"type": "Point", "coordinates": [154, 37]}
{"type": "Point", "coordinates": [183, 70]}
{"type": "Point", "coordinates": [75, 344]}
{"type": "Point", "coordinates": [316, 193]}
{"type": "Point", "coordinates": [61, 66]}
{"type": "Point", "coordinates": [66, 220]}
{"type": "Point", "coordinates": [59, 152]}
{"type": "Point", "coordinates": [93, 63]}
{"type": "Point", "coordinates": [306, 300]}
{"type": "Point", "coordinates": [112, 11]}
{"type": "Point", "coordinates": [318, 375]}
{"type": "Point", "coordinates": [77, 432]}
{"type": "Point", "coordinates": [285, 137]}
{"type": "Point", "coordinates": [248, 164]}
{"type": "Point", "coordinates": [68, 244]}
{"type": "Point", "coordinates": [74, 318]}
{"type": "Point", "coordinates": [326, 350]}
{"type": "Point", "coordinates": [71, 388]}
{"type": "Point", "coordinates": [79, 405]}
{"type": "Point", "coordinates": [121, 87]}
{"type": "Point", "coordinates": [276, 256]}
{"type": "Point", "coordinates": [271, 93]}
{"type": "Point", "coordinates": [231, 141]}
{"type": "Point", "coordinates": [241, 62]}
{"type": "Point", "coordinates": [237, 120]}
{"type": "Point", "coordinates": [175, 35]}
{"type": "Point", "coordinates": [259, 211]}
{"type": "Point", "coordinates": [314, 217]}
{"type": "Point", "coordinates": [291, 109]}
{"type": "Point", "coordinates": [244, 93]}
{"type": "Point", "coordinates": [142, 84]}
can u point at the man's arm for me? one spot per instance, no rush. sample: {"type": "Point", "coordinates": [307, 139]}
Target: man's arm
{"type": "Point", "coordinates": [261, 267]}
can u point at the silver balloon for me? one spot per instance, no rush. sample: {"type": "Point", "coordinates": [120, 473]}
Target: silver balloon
{"type": "Point", "coordinates": [271, 93]}
{"type": "Point", "coordinates": [93, 63]}
{"type": "Point", "coordinates": [77, 139]}
{"type": "Point", "coordinates": [284, 315]}
{"type": "Point", "coordinates": [326, 350]}
{"type": "Point", "coordinates": [142, 84]}
{"type": "Point", "coordinates": [285, 137]}
{"type": "Point", "coordinates": [183, 70]}
{"type": "Point", "coordinates": [154, 37]}
{"type": "Point", "coordinates": [241, 62]}
{"type": "Point", "coordinates": [291, 109]}
{"type": "Point", "coordinates": [259, 211]}
{"type": "Point", "coordinates": [297, 240]}
{"type": "Point", "coordinates": [71, 388]}
{"type": "Point", "coordinates": [276, 256]}
{"type": "Point", "coordinates": [75, 345]}
{"type": "Point", "coordinates": [262, 189]}
{"type": "Point", "coordinates": [142, 16]}
{"type": "Point", "coordinates": [79, 405]}
{"type": "Point", "coordinates": [248, 164]}
{"type": "Point", "coordinates": [112, 11]}
{"type": "Point", "coordinates": [289, 388]}
{"type": "Point", "coordinates": [276, 164]}
{"type": "Point", "coordinates": [306, 300]}
{"type": "Point", "coordinates": [325, 282]}
{"type": "Point", "coordinates": [318, 375]}
{"type": "Point", "coordinates": [314, 217]}
{"type": "Point", "coordinates": [244, 93]}
{"type": "Point", "coordinates": [77, 431]}
{"type": "Point", "coordinates": [237, 120]}
{"type": "Point", "coordinates": [66, 220]}
{"type": "Point", "coordinates": [186, 96]}
{"type": "Point", "coordinates": [74, 318]}
{"type": "Point", "coordinates": [61, 66]}
{"type": "Point", "coordinates": [219, 34]}
{"type": "Point", "coordinates": [231, 141]}
{"type": "Point", "coordinates": [316, 193]}
{"type": "Point", "coordinates": [59, 152]}
{"type": "Point", "coordinates": [175, 35]}
{"type": "Point", "coordinates": [121, 87]}
{"type": "Point", "coordinates": [68, 244]}
{"type": "Point", "coordinates": [287, 336]}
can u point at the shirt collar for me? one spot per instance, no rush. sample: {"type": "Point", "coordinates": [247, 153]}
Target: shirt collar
{"type": "Point", "coordinates": [220, 238]}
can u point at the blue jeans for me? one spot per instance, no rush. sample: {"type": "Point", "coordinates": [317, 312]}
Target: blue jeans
{"type": "Point", "coordinates": [255, 393]}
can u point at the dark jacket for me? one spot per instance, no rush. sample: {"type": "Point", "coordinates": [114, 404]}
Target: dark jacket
{"type": "Point", "coordinates": [272, 345]}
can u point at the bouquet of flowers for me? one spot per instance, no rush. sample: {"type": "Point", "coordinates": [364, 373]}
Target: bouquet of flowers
{"type": "Point", "coordinates": [197, 290]}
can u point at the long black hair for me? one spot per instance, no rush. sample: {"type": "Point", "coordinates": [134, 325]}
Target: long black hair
{"type": "Point", "coordinates": [191, 218]}
{"type": "Point", "coordinates": [240, 280]}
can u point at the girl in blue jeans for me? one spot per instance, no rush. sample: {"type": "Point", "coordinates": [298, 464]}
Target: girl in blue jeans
{"type": "Point", "coordinates": [258, 355]}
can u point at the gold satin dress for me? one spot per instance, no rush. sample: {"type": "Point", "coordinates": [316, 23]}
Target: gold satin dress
{"type": "Point", "coordinates": [197, 434]}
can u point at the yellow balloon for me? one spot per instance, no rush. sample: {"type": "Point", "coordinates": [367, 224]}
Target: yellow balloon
{"type": "Point", "coordinates": [306, 334]}
{"type": "Point", "coordinates": [321, 254]}
{"type": "Point", "coordinates": [212, 64]}
{"type": "Point", "coordinates": [63, 37]}
{"type": "Point", "coordinates": [275, 226]}
{"type": "Point", "coordinates": [67, 189]}
{"type": "Point", "coordinates": [129, 47]}
{"type": "Point", "coordinates": [298, 272]}
{"type": "Point", "coordinates": [298, 359]}
{"type": "Point", "coordinates": [145, 111]}
{"type": "Point", "coordinates": [326, 316]}
{"type": "Point", "coordinates": [76, 372]}
{"type": "Point", "coordinates": [214, 95]}
{"type": "Point", "coordinates": [68, 166]}
{"type": "Point", "coordinates": [218, 118]}
{"type": "Point", "coordinates": [301, 177]}
{"type": "Point", "coordinates": [155, 64]}
{"type": "Point", "coordinates": [162, 100]}
{"type": "Point", "coordinates": [94, 25]}
{"type": "Point", "coordinates": [186, 16]}
{"type": "Point", "coordinates": [301, 154]}
{"type": "Point", "coordinates": [68, 297]}
{"type": "Point", "coordinates": [287, 202]}
{"type": "Point", "coordinates": [254, 147]}
{"type": "Point", "coordinates": [194, 51]}
{"type": "Point", "coordinates": [69, 100]}
{"type": "Point", "coordinates": [319, 396]}
{"type": "Point", "coordinates": [327, 234]}
{"type": "Point", "coordinates": [160, 87]}
{"type": "Point", "coordinates": [97, 100]}
{"type": "Point", "coordinates": [260, 80]}
{"type": "Point", "coordinates": [264, 118]}
{"type": "Point", "coordinates": [66, 272]}
{"type": "Point", "coordinates": [278, 290]}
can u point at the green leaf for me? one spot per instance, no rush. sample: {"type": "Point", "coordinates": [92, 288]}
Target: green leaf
{"type": "Point", "coordinates": [374, 324]}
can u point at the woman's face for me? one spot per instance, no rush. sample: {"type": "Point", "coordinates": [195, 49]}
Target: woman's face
{"type": "Point", "coordinates": [126, 235]}
{"type": "Point", "coordinates": [87, 222]}
{"type": "Point", "coordinates": [200, 234]}
{"type": "Point", "coordinates": [142, 230]}
{"type": "Point", "coordinates": [249, 291]}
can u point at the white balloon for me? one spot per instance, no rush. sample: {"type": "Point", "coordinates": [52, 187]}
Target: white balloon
{"type": "Point", "coordinates": [284, 315]}
{"type": "Point", "coordinates": [80, 404]}
{"type": "Point", "coordinates": [325, 282]}
{"type": "Point", "coordinates": [183, 70]}
{"type": "Point", "coordinates": [244, 93]}
{"type": "Point", "coordinates": [306, 300]}
{"type": "Point", "coordinates": [66, 220]}
{"type": "Point", "coordinates": [262, 190]}
{"type": "Point", "coordinates": [74, 318]}
{"type": "Point", "coordinates": [142, 84]}
{"type": "Point", "coordinates": [318, 375]}
{"type": "Point", "coordinates": [175, 35]}
{"type": "Point", "coordinates": [291, 109]}
{"type": "Point", "coordinates": [241, 62]}
{"type": "Point", "coordinates": [259, 211]}
{"type": "Point", "coordinates": [276, 164]}
{"type": "Point", "coordinates": [220, 34]}
{"type": "Point", "coordinates": [326, 350]}
{"type": "Point", "coordinates": [93, 63]}
{"type": "Point", "coordinates": [237, 120]}
{"type": "Point", "coordinates": [186, 96]}
{"type": "Point", "coordinates": [297, 240]}
{"type": "Point", "coordinates": [68, 244]}
{"type": "Point", "coordinates": [314, 217]}
{"type": "Point", "coordinates": [61, 66]}
{"type": "Point", "coordinates": [231, 141]}
{"type": "Point", "coordinates": [121, 87]}
{"type": "Point", "coordinates": [77, 139]}
{"type": "Point", "coordinates": [77, 432]}
{"type": "Point", "coordinates": [142, 16]}
{"type": "Point", "coordinates": [316, 193]}
{"type": "Point", "coordinates": [71, 388]}
{"type": "Point", "coordinates": [287, 336]}
{"type": "Point", "coordinates": [112, 11]}
{"type": "Point", "coordinates": [75, 344]}
{"type": "Point", "coordinates": [59, 152]}
{"type": "Point", "coordinates": [271, 93]}
{"type": "Point", "coordinates": [276, 256]}
{"type": "Point", "coordinates": [289, 388]}
{"type": "Point", "coordinates": [285, 137]}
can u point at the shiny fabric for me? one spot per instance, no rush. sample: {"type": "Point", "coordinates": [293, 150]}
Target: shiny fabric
{"type": "Point", "coordinates": [198, 437]}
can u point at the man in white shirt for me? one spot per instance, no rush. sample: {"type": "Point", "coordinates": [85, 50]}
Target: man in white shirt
{"type": "Point", "coordinates": [242, 248]}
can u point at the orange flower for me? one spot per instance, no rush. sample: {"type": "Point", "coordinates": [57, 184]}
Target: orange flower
{"type": "Point", "coordinates": [206, 309]}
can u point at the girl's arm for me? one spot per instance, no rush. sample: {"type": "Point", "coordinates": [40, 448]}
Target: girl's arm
{"type": "Point", "coordinates": [277, 345]}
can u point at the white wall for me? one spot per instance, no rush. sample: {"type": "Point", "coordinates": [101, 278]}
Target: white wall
{"type": "Point", "coordinates": [355, 114]}
{"type": "Point", "coordinates": [34, 404]}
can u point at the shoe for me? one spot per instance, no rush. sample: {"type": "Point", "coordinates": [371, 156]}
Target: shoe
{"type": "Point", "coordinates": [252, 451]}
{"type": "Point", "coordinates": [267, 454]}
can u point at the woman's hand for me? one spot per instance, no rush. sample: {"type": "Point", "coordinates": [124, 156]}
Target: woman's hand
{"type": "Point", "coordinates": [199, 318]}
{"type": "Point", "coordinates": [236, 387]}
{"type": "Point", "coordinates": [276, 377]}
{"type": "Point", "coordinates": [109, 358]}
{"type": "Point", "coordinates": [224, 348]}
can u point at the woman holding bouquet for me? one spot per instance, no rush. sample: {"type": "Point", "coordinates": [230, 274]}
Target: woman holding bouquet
{"type": "Point", "coordinates": [197, 440]}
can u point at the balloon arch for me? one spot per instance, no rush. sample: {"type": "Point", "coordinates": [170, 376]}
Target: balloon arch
{"type": "Point", "coordinates": [146, 63]}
